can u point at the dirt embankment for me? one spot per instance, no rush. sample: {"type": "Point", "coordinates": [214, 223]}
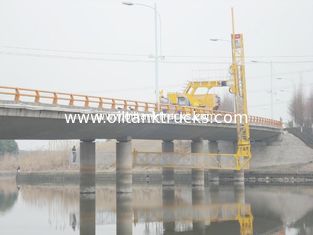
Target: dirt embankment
{"type": "Point", "coordinates": [288, 154]}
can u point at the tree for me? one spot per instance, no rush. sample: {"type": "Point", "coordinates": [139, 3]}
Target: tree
{"type": "Point", "coordinates": [296, 107]}
{"type": "Point", "coordinates": [8, 146]}
{"type": "Point", "coordinates": [309, 111]}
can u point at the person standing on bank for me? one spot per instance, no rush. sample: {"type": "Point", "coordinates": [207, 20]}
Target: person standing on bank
{"type": "Point", "coordinates": [74, 154]}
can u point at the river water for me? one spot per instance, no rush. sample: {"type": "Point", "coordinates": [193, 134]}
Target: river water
{"type": "Point", "coordinates": [61, 209]}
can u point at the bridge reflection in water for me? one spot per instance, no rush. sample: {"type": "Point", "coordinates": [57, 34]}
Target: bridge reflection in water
{"type": "Point", "coordinates": [182, 209]}
{"type": "Point", "coordinates": [153, 209]}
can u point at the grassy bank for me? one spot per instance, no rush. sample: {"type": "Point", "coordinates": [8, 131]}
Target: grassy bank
{"type": "Point", "coordinates": [37, 161]}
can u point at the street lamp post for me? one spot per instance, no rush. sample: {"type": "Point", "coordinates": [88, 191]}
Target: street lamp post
{"type": "Point", "coordinates": [272, 103]}
{"type": "Point", "coordinates": [156, 44]}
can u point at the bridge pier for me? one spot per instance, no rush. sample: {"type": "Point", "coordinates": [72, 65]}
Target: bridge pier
{"type": "Point", "coordinates": [87, 199]}
{"type": "Point", "coordinates": [124, 165]}
{"type": "Point", "coordinates": [197, 175]}
{"type": "Point", "coordinates": [87, 166]}
{"type": "Point", "coordinates": [168, 172]}
{"type": "Point", "coordinates": [213, 174]}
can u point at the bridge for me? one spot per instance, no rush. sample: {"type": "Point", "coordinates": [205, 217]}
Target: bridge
{"type": "Point", "coordinates": [40, 115]}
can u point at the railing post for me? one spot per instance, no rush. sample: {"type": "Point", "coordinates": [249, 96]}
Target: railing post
{"type": "Point", "coordinates": [113, 104]}
{"type": "Point", "coordinates": [100, 106]}
{"type": "Point", "coordinates": [136, 106]}
{"type": "Point", "coordinates": [37, 97]}
{"type": "Point", "coordinates": [55, 98]}
{"type": "Point", "coordinates": [17, 95]}
{"type": "Point", "coordinates": [86, 102]}
{"type": "Point", "coordinates": [71, 100]}
{"type": "Point", "coordinates": [146, 107]}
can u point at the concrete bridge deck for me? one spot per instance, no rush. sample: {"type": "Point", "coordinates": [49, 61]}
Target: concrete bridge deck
{"type": "Point", "coordinates": [43, 122]}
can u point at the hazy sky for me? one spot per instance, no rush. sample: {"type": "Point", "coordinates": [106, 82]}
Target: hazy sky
{"type": "Point", "coordinates": [121, 38]}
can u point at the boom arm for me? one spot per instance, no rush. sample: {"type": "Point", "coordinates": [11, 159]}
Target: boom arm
{"type": "Point", "coordinates": [194, 85]}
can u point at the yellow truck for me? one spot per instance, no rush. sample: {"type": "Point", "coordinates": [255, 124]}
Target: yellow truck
{"type": "Point", "coordinates": [192, 97]}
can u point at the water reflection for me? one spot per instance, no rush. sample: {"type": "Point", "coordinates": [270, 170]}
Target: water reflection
{"type": "Point", "coordinates": [155, 209]}
{"type": "Point", "coordinates": [168, 202]}
{"type": "Point", "coordinates": [87, 206]}
{"type": "Point", "coordinates": [199, 215]}
{"type": "Point", "coordinates": [8, 194]}
{"type": "Point", "coordinates": [124, 214]}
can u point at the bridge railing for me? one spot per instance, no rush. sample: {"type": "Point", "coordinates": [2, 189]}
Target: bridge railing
{"type": "Point", "coordinates": [77, 100]}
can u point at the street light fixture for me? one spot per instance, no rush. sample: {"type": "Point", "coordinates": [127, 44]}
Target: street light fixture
{"type": "Point", "coordinates": [156, 62]}
{"type": "Point", "coordinates": [128, 3]}
{"type": "Point", "coordinates": [294, 85]}
{"type": "Point", "coordinates": [218, 40]}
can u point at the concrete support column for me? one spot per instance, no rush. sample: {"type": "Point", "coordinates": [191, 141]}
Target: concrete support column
{"type": "Point", "coordinates": [214, 194]}
{"type": "Point", "coordinates": [207, 203]}
{"type": "Point", "coordinates": [235, 146]}
{"type": "Point", "coordinates": [87, 166]}
{"type": "Point", "coordinates": [87, 200]}
{"type": "Point", "coordinates": [197, 175]}
{"type": "Point", "coordinates": [168, 172]}
{"type": "Point", "coordinates": [213, 174]}
{"type": "Point", "coordinates": [213, 146]}
{"type": "Point", "coordinates": [124, 165]}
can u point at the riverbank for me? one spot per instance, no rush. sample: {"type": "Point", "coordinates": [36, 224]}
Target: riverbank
{"type": "Point", "coordinates": [181, 177]}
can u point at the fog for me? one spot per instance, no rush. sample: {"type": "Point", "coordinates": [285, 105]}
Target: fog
{"type": "Point", "coordinates": [106, 48]}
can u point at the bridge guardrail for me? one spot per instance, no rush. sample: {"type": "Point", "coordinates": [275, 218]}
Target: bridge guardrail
{"type": "Point", "coordinates": [85, 101]}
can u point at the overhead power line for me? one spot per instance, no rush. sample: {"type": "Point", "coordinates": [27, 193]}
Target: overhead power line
{"type": "Point", "coordinates": [76, 51]}
{"type": "Point", "coordinates": [132, 60]}
{"type": "Point", "coordinates": [163, 58]}
{"type": "Point", "coordinates": [147, 55]}
{"type": "Point", "coordinates": [73, 57]}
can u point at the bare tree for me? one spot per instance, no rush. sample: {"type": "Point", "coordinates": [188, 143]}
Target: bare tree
{"type": "Point", "coordinates": [309, 111]}
{"type": "Point", "coordinates": [297, 107]}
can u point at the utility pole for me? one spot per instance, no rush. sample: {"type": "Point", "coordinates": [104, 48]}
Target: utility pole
{"type": "Point", "coordinates": [272, 103]}
{"type": "Point", "coordinates": [157, 95]}
{"type": "Point", "coordinates": [156, 46]}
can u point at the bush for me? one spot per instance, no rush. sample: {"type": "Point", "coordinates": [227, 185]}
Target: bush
{"type": "Point", "coordinates": [8, 147]}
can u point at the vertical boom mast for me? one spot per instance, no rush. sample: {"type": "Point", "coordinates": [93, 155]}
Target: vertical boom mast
{"type": "Point", "coordinates": [243, 153]}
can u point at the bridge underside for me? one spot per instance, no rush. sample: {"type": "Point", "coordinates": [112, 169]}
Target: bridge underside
{"type": "Point", "coordinates": [42, 128]}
